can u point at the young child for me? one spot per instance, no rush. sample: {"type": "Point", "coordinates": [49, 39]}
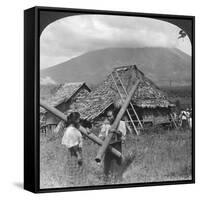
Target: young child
{"type": "Point", "coordinates": [72, 139]}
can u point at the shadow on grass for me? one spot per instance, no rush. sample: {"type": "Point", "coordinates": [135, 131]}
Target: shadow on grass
{"type": "Point", "coordinates": [19, 185]}
{"type": "Point", "coordinates": [126, 163]}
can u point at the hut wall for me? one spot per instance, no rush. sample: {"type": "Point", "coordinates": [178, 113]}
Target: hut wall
{"type": "Point", "coordinates": [155, 115]}
{"type": "Point", "coordinates": [51, 119]}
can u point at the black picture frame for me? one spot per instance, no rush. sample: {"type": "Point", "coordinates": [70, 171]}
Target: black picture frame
{"type": "Point", "coordinates": [35, 21]}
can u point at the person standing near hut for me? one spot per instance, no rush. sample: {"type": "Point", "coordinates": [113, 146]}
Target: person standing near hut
{"type": "Point", "coordinates": [190, 118]}
{"type": "Point", "coordinates": [183, 116]}
{"type": "Point", "coordinates": [72, 139]}
{"type": "Point", "coordinates": [107, 124]}
{"type": "Point", "coordinates": [111, 162]}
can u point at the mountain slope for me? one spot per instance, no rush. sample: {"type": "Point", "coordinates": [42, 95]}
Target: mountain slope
{"type": "Point", "coordinates": [159, 64]}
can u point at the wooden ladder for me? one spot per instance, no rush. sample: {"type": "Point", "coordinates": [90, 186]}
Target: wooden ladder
{"type": "Point", "coordinates": [117, 80]}
{"type": "Point", "coordinates": [173, 120]}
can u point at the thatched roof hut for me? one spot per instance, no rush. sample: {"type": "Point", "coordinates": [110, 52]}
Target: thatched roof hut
{"type": "Point", "coordinates": [147, 94]}
{"type": "Point", "coordinates": [64, 93]}
{"type": "Point", "coordinates": [65, 98]}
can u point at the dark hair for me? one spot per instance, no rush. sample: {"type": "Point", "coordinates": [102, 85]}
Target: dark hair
{"type": "Point", "coordinates": [114, 113]}
{"type": "Point", "coordinates": [85, 123]}
{"type": "Point", "coordinates": [72, 118]}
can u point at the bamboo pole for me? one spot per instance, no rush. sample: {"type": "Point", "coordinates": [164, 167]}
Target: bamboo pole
{"type": "Point", "coordinates": [130, 102]}
{"type": "Point", "coordinates": [173, 120]}
{"type": "Point", "coordinates": [115, 123]}
{"type": "Point", "coordinates": [91, 136]}
{"type": "Point", "coordinates": [122, 100]}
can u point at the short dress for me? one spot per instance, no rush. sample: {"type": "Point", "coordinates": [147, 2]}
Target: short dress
{"type": "Point", "coordinates": [74, 172]}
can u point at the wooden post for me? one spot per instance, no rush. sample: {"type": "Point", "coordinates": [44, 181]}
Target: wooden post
{"type": "Point", "coordinates": [115, 124]}
{"type": "Point", "coordinates": [91, 136]}
{"type": "Point", "coordinates": [173, 120]}
{"type": "Point", "coordinates": [112, 163]}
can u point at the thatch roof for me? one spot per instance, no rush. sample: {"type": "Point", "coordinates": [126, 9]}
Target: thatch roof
{"type": "Point", "coordinates": [63, 94]}
{"type": "Point", "coordinates": [147, 93]}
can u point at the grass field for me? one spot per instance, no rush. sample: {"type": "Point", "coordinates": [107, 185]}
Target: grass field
{"type": "Point", "coordinates": [159, 155]}
{"type": "Point", "coordinates": [155, 155]}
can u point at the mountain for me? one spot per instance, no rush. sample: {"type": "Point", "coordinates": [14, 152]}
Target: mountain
{"type": "Point", "coordinates": [162, 65]}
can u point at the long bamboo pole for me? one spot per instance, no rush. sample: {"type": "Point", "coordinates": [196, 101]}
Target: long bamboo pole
{"type": "Point", "coordinates": [122, 99]}
{"type": "Point", "coordinates": [115, 123]}
{"type": "Point", "coordinates": [91, 136]}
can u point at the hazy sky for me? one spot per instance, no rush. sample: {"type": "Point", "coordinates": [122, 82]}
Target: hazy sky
{"type": "Point", "coordinates": [72, 36]}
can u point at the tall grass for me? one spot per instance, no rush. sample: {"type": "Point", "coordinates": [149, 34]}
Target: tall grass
{"type": "Point", "coordinates": [159, 155]}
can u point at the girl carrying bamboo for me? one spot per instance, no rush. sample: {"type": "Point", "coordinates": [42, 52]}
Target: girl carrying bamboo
{"type": "Point", "coordinates": [72, 139]}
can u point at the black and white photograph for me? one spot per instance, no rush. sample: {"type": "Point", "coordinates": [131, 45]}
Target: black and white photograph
{"type": "Point", "coordinates": [116, 101]}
